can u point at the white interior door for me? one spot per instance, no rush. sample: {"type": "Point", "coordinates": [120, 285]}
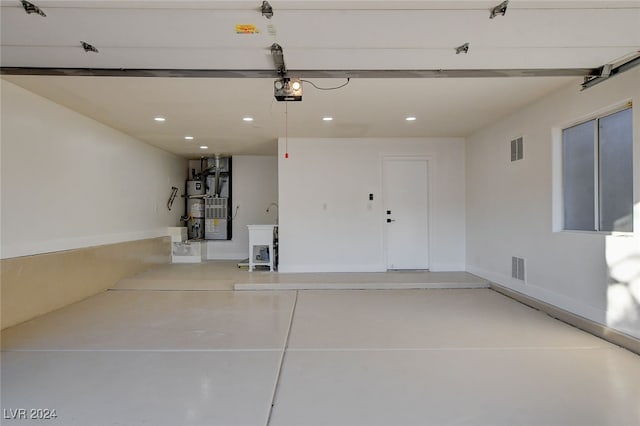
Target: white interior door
{"type": "Point", "coordinates": [406, 196]}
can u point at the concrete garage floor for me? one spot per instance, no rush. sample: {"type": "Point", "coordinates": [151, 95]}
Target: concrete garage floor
{"type": "Point", "coordinates": [177, 346]}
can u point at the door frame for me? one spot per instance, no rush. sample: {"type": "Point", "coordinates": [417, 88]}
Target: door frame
{"type": "Point", "coordinates": [430, 166]}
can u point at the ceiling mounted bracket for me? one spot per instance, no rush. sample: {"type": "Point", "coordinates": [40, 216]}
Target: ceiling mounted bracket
{"type": "Point", "coordinates": [607, 71]}
{"type": "Point", "coordinates": [462, 49]}
{"type": "Point", "coordinates": [88, 47]}
{"type": "Point", "coordinates": [266, 9]}
{"type": "Point", "coordinates": [278, 59]}
{"type": "Point", "coordinates": [500, 9]}
{"type": "Point", "coordinates": [32, 8]}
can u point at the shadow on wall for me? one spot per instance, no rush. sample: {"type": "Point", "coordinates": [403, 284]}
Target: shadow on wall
{"type": "Point", "coordinates": [623, 293]}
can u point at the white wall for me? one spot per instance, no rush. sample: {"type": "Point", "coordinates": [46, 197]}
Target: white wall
{"type": "Point", "coordinates": [254, 187]}
{"type": "Point", "coordinates": [327, 222]}
{"type": "Point", "coordinates": [70, 182]}
{"type": "Point", "coordinates": [510, 207]}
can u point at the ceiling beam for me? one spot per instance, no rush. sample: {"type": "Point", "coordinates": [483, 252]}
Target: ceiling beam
{"type": "Point", "coordinates": [203, 73]}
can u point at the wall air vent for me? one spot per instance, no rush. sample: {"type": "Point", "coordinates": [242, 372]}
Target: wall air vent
{"type": "Point", "coordinates": [517, 268]}
{"type": "Point", "coordinates": [517, 149]}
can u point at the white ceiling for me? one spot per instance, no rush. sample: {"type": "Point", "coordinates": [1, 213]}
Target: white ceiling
{"type": "Point", "coordinates": [327, 35]}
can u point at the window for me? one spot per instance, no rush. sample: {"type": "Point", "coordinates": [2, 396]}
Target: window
{"type": "Point", "coordinates": [597, 174]}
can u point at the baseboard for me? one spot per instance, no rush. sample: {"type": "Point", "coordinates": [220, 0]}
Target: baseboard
{"type": "Point", "coordinates": [358, 286]}
{"type": "Point", "coordinates": [609, 334]}
{"type": "Point", "coordinates": [447, 268]}
{"type": "Point", "coordinates": [543, 295]}
{"type": "Point", "coordinates": [330, 268]}
{"type": "Point", "coordinates": [358, 268]}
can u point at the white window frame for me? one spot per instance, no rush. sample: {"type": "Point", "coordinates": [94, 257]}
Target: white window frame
{"type": "Point", "coordinates": [558, 224]}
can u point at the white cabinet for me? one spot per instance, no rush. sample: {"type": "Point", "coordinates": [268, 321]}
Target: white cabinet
{"type": "Point", "coordinates": [261, 237]}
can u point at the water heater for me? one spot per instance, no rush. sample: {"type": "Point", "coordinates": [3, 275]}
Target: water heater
{"type": "Point", "coordinates": [209, 199]}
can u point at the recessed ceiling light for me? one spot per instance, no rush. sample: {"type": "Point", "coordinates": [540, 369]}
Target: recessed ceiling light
{"type": "Point", "coordinates": [327, 118]}
{"type": "Point", "coordinates": [247, 119]}
{"type": "Point", "coordinates": [411, 118]}
{"type": "Point", "coordinates": [189, 138]}
{"type": "Point", "coordinates": [159, 118]}
{"type": "Point", "coordinates": [204, 147]}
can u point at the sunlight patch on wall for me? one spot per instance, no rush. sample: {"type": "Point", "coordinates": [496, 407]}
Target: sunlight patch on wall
{"type": "Point", "coordinates": [623, 293]}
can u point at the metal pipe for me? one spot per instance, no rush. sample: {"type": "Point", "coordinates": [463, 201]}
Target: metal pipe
{"type": "Point", "coordinates": [277, 208]}
{"type": "Point", "coordinates": [272, 205]}
{"type": "Point", "coordinates": [217, 181]}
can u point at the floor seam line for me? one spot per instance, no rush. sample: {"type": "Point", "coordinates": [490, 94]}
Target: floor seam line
{"type": "Point", "coordinates": [165, 289]}
{"type": "Point", "coordinates": [451, 349]}
{"type": "Point", "coordinates": [145, 350]}
{"type": "Point", "coordinates": [282, 358]}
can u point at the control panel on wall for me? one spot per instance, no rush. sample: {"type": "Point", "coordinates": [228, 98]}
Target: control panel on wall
{"type": "Point", "coordinates": [208, 213]}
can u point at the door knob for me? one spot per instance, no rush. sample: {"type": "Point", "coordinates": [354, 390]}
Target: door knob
{"type": "Point", "coordinates": [390, 220]}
